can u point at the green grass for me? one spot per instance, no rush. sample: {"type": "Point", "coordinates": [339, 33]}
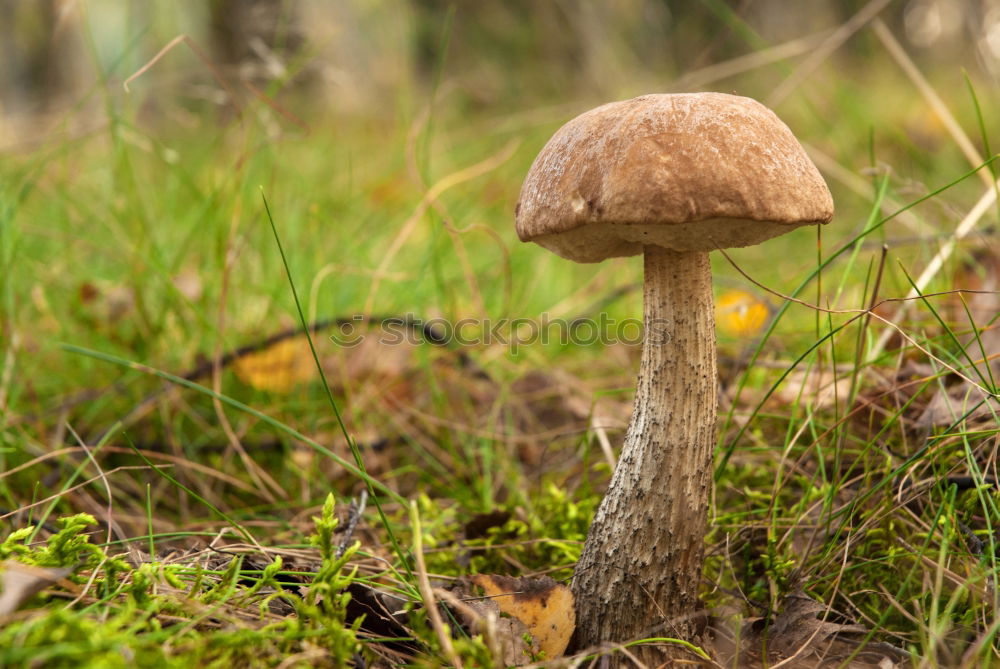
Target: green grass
{"type": "Point", "coordinates": [138, 248]}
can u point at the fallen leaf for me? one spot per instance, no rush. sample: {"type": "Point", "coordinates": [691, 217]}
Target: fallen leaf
{"type": "Point", "coordinates": [979, 273]}
{"type": "Point", "coordinates": [799, 637]}
{"type": "Point", "coordinates": [543, 605]}
{"type": "Point", "coordinates": [506, 635]}
{"type": "Point", "coordinates": [119, 302]}
{"type": "Point", "coordinates": [87, 292]}
{"type": "Point", "coordinates": [188, 283]}
{"type": "Point", "coordinates": [949, 404]}
{"type": "Point", "coordinates": [925, 128]}
{"type": "Point", "coordinates": [104, 301]}
{"type": "Point", "coordinates": [279, 367]}
{"type": "Point", "coordinates": [817, 388]}
{"type": "Point", "coordinates": [379, 357]}
{"type": "Point", "coordinates": [740, 313]}
{"type": "Point", "coordinates": [800, 625]}
{"type": "Point", "coordinates": [20, 582]}
{"type": "Point", "coordinates": [556, 402]}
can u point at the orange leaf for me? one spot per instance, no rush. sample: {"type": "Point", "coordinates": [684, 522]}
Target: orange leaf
{"type": "Point", "coordinates": [544, 606]}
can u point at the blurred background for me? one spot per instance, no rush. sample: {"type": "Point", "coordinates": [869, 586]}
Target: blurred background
{"type": "Point", "coordinates": [366, 56]}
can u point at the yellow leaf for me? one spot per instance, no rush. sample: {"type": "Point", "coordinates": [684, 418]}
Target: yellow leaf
{"type": "Point", "coordinates": [544, 606]}
{"type": "Point", "coordinates": [740, 313]}
{"type": "Point", "coordinates": [279, 367]}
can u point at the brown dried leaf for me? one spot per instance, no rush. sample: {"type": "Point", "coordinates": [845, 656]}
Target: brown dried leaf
{"type": "Point", "coordinates": [800, 625]}
{"type": "Point", "coordinates": [980, 272]}
{"type": "Point", "coordinates": [104, 301]}
{"type": "Point", "coordinates": [949, 404]}
{"type": "Point", "coordinates": [818, 388]}
{"type": "Point", "coordinates": [20, 582]}
{"type": "Point", "coordinates": [799, 637]}
{"type": "Point", "coordinates": [189, 284]}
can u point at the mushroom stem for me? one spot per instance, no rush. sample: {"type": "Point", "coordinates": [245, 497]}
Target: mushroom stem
{"type": "Point", "coordinates": [641, 566]}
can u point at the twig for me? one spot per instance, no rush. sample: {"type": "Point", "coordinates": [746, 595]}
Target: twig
{"type": "Point", "coordinates": [154, 60]}
{"type": "Point", "coordinates": [7, 373]}
{"type": "Point", "coordinates": [427, 592]}
{"type": "Point", "coordinates": [356, 510]}
{"type": "Point", "coordinates": [605, 443]}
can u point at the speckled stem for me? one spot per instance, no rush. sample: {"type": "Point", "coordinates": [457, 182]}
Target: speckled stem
{"type": "Point", "coordinates": [641, 565]}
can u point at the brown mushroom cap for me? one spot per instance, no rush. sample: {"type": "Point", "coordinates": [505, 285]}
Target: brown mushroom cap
{"type": "Point", "coordinates": [688, 172]}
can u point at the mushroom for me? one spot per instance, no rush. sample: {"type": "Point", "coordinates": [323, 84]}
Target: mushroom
{"type": "Point", "coordinates": [672, 177]}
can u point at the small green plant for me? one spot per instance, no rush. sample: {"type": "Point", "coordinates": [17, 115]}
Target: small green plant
{"type": "Point", "coordinates": [545, 534]}
{"type": "Point", "coordinates": [322, 613]}
{"type": "Point", "coordinates": [70, 547]}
